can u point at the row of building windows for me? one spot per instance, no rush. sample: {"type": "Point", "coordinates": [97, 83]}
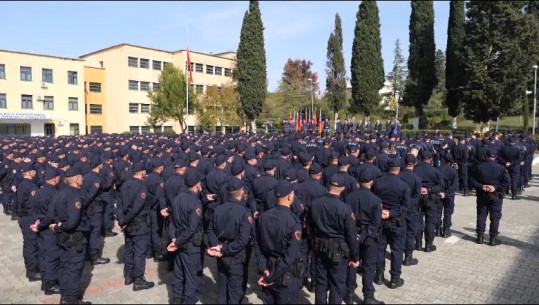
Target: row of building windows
{"type": "Point", "coordinates": [144, 63]}
{"type": "Point", "coordinates": [212, 70]}
{"type": "Point", "coordinates": [46, 75]}
{"type": "Point", "coordinates": [27, 102]}
{"type": "Point", "coordinates": [133, 85]}
{"type": "Point", "coordinates": [93, 87]}
{"type": "Point", "coordinates": [134, 108]}
{"type": "Point", "coordinates": [147, 129]}
{"type": "Point", "coordinates": [95, 109]}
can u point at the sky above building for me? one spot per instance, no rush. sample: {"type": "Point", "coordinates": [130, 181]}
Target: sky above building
{"type": "Point", "coordinates": [297, 30]}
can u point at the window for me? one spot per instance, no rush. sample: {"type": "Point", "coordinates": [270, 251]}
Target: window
{"type": "Point", "coordinates": [156, 87]}
{"type": "Point", "coordinates": [26, 102]}
{"type": "Point", "coordinates": [46, 75]}
{"type": "Point", "coordinates": [132, 62]}
{"type": "Point", "coordinates": [199, 68]}
{"type": "Point", "coordinates": [144, 108]}
{"type": "Point", "coordinates": [96, 129]}
{"type": "Point", "coordinates": [133, 85]}
{"type": "Point", "coordinates": [133, 129]}
{"type": "Point", "coordinates": [145, 129]}
{"type": "Point", "coordinates": [73, 104]}
{"type": "Point", "coordinates": [168, 129]}
{"type": "Point", "coordinates": [3, 100]}
{"type": "Point", "coordinates": [72, 77]}
{"type": "Point", "coordinates": [144, 86]}
{"type": "Point", "coordinates": [199, 88]}
{"type": "Point", "coordinates": [96, 109]}
{"type": "Point", "coordinates": [191, 128]}
{"type": "Point", "coordinates": [15, 129]}
{"type": "Point", "coordinates": [2, 71]}
{"type": "Point", "coordinates": [228, 72]}
{"type": "Point", "coordinates": [74, 129]}
{"type": "Point", "coordinates": [192, 66]}
{"type": "Point", "coordinates": [145, 63]}
{"type": "Point", "coordinates": [156, 64]}
{"type": "Point", "coordinates": [209, 69]}
{"type": "Point", "coordinates": [218, 71]}
{"type": "Point", "coordinates": [133, 108]}
{"type": "Point", "coordinates": [95, 87]}
{"type": "Point", "coordinates": [26, 74]}
{"type": "Point", "coordinates": [48, 103]}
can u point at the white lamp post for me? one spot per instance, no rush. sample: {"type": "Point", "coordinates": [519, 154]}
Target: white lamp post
{"type": "Point", "coordinates": [534, 98]}
{"type": "Point", "coordinates": [310, 80]}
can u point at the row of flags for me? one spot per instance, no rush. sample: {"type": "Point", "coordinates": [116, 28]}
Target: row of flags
{"type": "Point", "coordinates": [302, 118]}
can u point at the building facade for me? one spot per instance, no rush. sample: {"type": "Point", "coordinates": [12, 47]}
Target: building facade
{"type": "Point", "coordinates": [41, 95]}
{"type": "Point", "coordinates": [130, 72]}
{"type": "Point", "coordinates": [94, 100]}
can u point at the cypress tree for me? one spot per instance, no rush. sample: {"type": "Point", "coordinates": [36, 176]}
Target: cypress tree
{"type": "Point", "coordinates": [335, 70]}
{"type": "Point", "coordinates": [454, 69]}
{"type": "Point", "coordinates": [421, 68]}
{"type": "Point", "coordinates": [367, 66]}
{"type": "Point", "coordinates": [251, 65]}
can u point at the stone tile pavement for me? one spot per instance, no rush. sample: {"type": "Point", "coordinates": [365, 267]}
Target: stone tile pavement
{"type": "Point", "coordinates": [460, 271]}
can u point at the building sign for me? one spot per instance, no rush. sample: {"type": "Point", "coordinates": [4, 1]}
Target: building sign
{"type": "Point", "coordinates": [25, 116]}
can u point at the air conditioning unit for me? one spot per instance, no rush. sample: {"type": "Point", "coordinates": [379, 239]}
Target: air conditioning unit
{"type": "Point", "coordinates": [40, 97]}
{"type": "Point", "coordinates": [44, 85]}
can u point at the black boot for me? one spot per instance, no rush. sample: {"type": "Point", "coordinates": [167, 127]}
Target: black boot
{"type": "Point", "coordinates": [33, 276]}
{"type": "Point", "coordinates": [372, 300]}
{"type": "Point", "coordinates": [480, 238]}
{"type": "Point", "coordinates": [494, 241]}
{"type": "Point", "coordinates": [65, 301]}
{"type": "Point", "coordinates": [141, 284]}
{"type": "Point", "coordinates": [159, 258]}
{"type": "Point", "coordinates": [311, 285]}
{"type": "Point", "coordinates": [349, 299]}
{"type": "Point", "coordinates": [52, 288]}
{"type": "Point", "coordinates": [418, 244]}
{"type": "Point", "coordinates": [409, 260]}
{"type": "Point", "coordinates": [447, 233]}
{"type": "Point", "coordinates": [109, 233]}
{"type": "Point", "coordinates": [430, 247]}
{"type": "Point", "coordinates": [8, 211]}
{"type": "Point", "coordinates": [97, 260]}
{"type": "Point", "coordinates": [396, 282]}
{"type": "Point", "coordinates": [379, 278]}
{"type": "Point", "coordinates": [128, 280]}
{"type": "Point", "coordinates": [149, 254]}
{"type": "Point", "coordinates": [14, 216]}
{"type": "Point", "coordinates": [438, 231]}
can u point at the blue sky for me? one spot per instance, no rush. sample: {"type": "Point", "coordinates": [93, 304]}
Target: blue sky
{"type": "Point", "coordinates": [292, 29]}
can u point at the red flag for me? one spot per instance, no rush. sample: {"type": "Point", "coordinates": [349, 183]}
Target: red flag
{"type": "Point", "coordinates": [189, 67]}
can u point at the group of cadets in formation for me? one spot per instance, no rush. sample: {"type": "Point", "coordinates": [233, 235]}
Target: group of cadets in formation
{"type": "Point", "coordinates": [310, 210]}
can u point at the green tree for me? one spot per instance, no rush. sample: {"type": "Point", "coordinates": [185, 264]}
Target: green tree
{"type": "Point", "coordinates": [397, 76]}
{"type": "Point", "coordinates": [335, 70]}
{"type": "Point", "coordinates": [421, 68]}
{"type": "Point", "coordinates": [497, 48]}
{"type": "Point", "coordinates": [296, 86]}
{"type": "Point", "coordinates": [454, 65]}
{"type": "Point", "coordinates": [219, 107]}
{"type": "Point", "coordinates": [251, 65]}
{"type": "Point", "coordinates": [439, 63]}
{"type": "Point", "coordinates": [367, 66]}
{"type": "Point", "coordinates": [168, 103]}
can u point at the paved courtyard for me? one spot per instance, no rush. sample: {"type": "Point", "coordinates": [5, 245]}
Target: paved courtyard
{"type": "Point", "coordinates": [460, 271]}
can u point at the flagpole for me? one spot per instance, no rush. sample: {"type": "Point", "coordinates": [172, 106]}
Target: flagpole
{"type": "Point", "coordinates": [186, 71]}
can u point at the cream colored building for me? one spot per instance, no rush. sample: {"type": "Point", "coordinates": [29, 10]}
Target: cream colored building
{"type": "Point", "coordinates": [131, 71]}
{"type": "Point", "coordinates": [41, 95]}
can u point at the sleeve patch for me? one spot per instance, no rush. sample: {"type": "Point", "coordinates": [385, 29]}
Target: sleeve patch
{"type": "Point", "coordinates": [143, 195]}
{"type": "Point", "coordinates": [96, 185]}
{"type": "Point", "coordinates": [297, 235]}
{"type": "Point", "coordinates": [111, 174]}
{"type": "Point", "coordinates": [198, 211]}
{"type": "Point", "coordinates": [77, 205]}
{"type": "Point", "coordinates": [161, 184]}
{"type": "Point", "coordinates": [250, 220]}
{"type": "Point", "coordinates": [33, 193]}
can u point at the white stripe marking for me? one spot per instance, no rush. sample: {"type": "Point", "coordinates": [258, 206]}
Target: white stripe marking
{"type": "Point", "coordinates": [535, 161]}
{"type": "Point", "coordinates": [455, 237]}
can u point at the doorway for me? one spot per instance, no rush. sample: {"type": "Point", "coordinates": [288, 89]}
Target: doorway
{"type": "Point", "coordinates": [49, 129]}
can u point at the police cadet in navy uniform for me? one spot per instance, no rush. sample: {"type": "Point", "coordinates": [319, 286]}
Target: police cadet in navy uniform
{"type": "Point", "coordinates": [133, 215]}
{"type": "Point", "coordinates": [156, 200]}
{"type": "Point", "coordinates": [367, 209]}
{"type": "Point", "coordinates": [186, 237]}
{"type": "Point", "coordinates": [395, 196]}
{"type": "Point", "coordinates": [70, 234]}
{"type": "Point", "coordinates": [412, 215]}
{"type": "Point", "coordinates": [43, 216]}
{"type": "Point", "coordinates": [333, 227]}
{"type": "Point", "coordinates": [279, 238]}
{"type": "Point", "coordinates": [14, 178]}
{"type": "Point", "coordinates": [107, 195]}
{"type": "Point", "coordinates": [263, 188]}
{"type": "Point", "coordinates": [513, 160]}
{"type": "Point", "coordinates": [432, 190]}
{"type": "Point", "coordinates": [490, 181]}
{"type": "Point", "coordinates": [93, 209]}
{"type": "Point", "coordinates": [24, 196]}
{"type": "Point", "coordinates": [447, 206]}
{"type": "Point", "coordinates": [229, 233]}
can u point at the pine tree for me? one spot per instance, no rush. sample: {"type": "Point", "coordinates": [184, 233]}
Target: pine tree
{"type": "Point", "coordinates": [367, 67]}
{"type": "Point", "coordinates": [251, 65]}
{"type": "Point", "coordinates": [421, 68]}
{"type": "Point", "coordinates": [439, 63]}
{"type": "Point", "coordinates": [397, 76]}
{"type": "Point", "coordinates": [454, 70]}
{"type": "Point", "coordinates": [335, 70]}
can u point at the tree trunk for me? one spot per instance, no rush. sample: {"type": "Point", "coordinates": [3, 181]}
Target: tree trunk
{"type": "Point", "coordinates": [253, 126]}
{"type": "Point", "coordinates": [335, 121]}
{"type": "Point", "coordinates": [454, 122]}
{"type": "Point", "coordinates": [416, 123]}
{"type": "Point", "coordinates": [526, 112]}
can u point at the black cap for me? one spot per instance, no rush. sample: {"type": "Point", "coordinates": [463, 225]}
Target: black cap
{"type": "Point", "coordinates": [283, 189]}
{"type": "Point", "coordinates": [191, 178]}
{"type": "Point", "coordinates": [192, 156]}
{"type": "Point", "coordinates": [234, 184]}
{"type": "Point", "coordinates": [394, 163]}
{"type": "Point", "coordinates": [290, 174]}
{"type": "Point", "coordinates": [139, 167]}
{"type": "Point", "coordinates": [426, 155]}
{"type": "Point", "coordinates": [491, 152]}
{"type": "Point", "coordinates": [448, 158]}
{"type": "Point", "coordinates": [220, 159]}
{"type": "Point", "coordinates": [337, 180]}
{"type": "Point", "coordinates": [181, 163]}
{"type": "Point", "coordinates": [315, 169]}
{"type": "Point", "coordinates": [367, 175]}
{"type": "Point", "coordinates": [410, 159]}
{"type": "Point", "coordinates": [95, 162]}
{"type": "Point", "coordinates": [334, 155]}
{"type": "Point", "coordinates": [269, 165]}
{"type": "Point", "coordinates": [72, 172]}
{"type": "Point", "coordinates": [236, 167]}
{"type": "Point", "coordinates": [156, 162]}
{"type": "Point", "coordinates": [285, 151]}
{"type": "Point", "coordinates": [370, 154]}
{"type": "Point", "coordinates": [50, 173]}
{"type": "Point", "coordinates": [26, 167]}
{"type": "Point", "coordinates": [249, 155]}
{"type": "Point", "coordinates": [343, 161]}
